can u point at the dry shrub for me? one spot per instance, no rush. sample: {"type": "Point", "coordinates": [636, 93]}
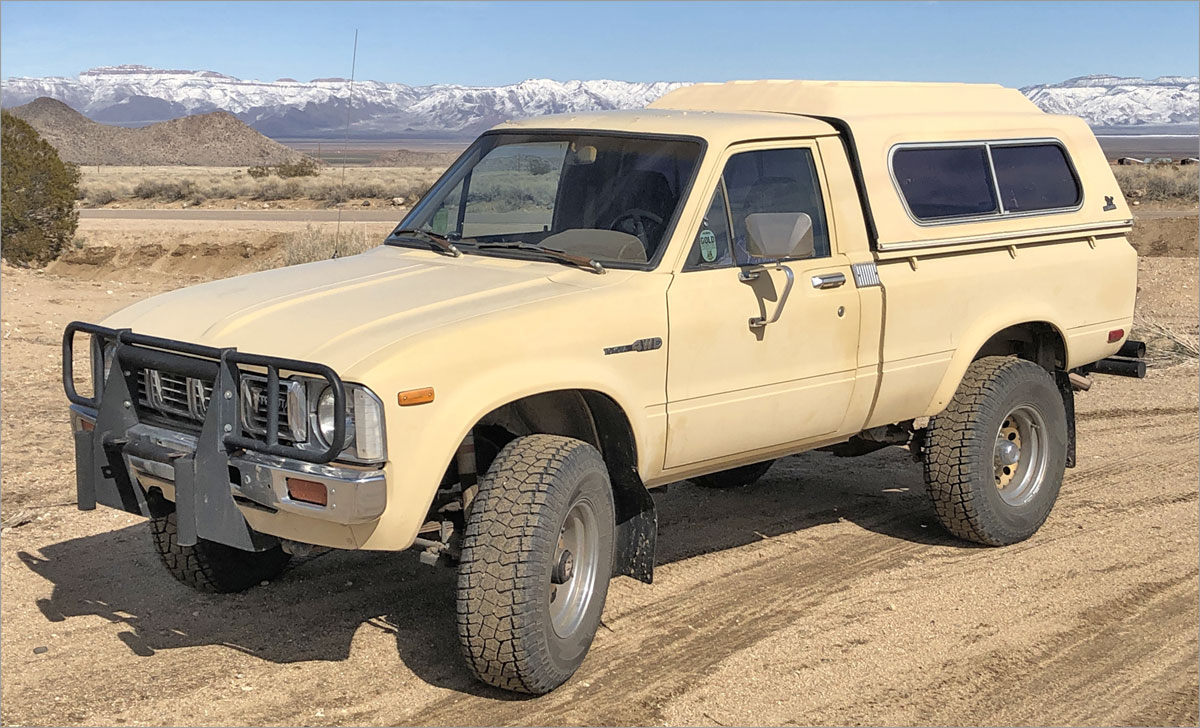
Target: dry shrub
{"type": "Point", "coordinates": [275, 189]}
{"type": "Point", "coordinates": [1159, 182]}
{"type": "Point", "coordinates": [100, 194]}
{"type": "Point", "coordinates": [170, 190]}
{"type": "Point", "coordinates": [301, 167]}
{"type": "Point", "coordinates": [1167, 345]}
{"type": "Point", "coordinates": [229, 183]}
{"type": "Point", "coordinates": [320, 243]}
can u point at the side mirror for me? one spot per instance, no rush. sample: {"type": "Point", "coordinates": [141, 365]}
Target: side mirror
{"type": "Point", "coordinates": [777, 235]}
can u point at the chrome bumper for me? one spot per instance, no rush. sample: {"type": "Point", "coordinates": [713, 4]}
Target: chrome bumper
{"type": "Point", "coordinates": [355, 495]}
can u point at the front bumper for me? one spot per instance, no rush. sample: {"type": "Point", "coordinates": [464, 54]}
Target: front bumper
{"type": "Point", "coordinates": [226, 487]}
{"type": "Point", "coordinates": [354, 495]}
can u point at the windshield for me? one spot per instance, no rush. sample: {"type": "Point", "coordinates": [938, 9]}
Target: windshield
{"type": "Point", "coordinates": [611, 199]}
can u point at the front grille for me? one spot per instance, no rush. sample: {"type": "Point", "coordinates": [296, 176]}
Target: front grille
{"type": "Point", "coordinates": [185, 400]}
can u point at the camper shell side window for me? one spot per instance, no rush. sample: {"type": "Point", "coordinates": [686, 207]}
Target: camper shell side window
{"type": "Point", "coordinates": [949, 182]}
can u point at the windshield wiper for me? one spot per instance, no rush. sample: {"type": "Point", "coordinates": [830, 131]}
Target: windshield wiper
{"type": "Point", "coordinates": [579, 260]}
{"type": "Point", "coordinates": [439, 242]}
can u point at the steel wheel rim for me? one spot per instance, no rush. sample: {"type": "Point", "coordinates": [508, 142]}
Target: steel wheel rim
{"type": "Point", "coordinates": [1020, 455]}
{"type": "Point", "coordinates": [579, 540]}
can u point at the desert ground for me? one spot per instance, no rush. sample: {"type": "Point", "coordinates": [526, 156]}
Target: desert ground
{"type": "Point", "coordinates": [824, 594]}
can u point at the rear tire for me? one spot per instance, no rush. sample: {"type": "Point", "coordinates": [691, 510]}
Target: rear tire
{"type": "Point", "coordinates": [213, 567]}
{"type": "Point", "coordinates": [996, 455]}
{"type": "Point", "coordinates": [734, 477]}
{"type": "Point", "coordinates": [537, 555]}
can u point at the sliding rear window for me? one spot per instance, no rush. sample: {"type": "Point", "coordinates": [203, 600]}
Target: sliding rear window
{"type": "Point", "coordinates": [949, 182]}
{"type": "Point", "coordinates": [940, 183]}
{"type": "Point", "coordinates": [1035, 177]}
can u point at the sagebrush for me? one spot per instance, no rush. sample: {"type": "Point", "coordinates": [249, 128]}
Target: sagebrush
{"type": "Point", "coordinates": [1159, 182]}
{"type": "Point", "coordinates": [196, 184]}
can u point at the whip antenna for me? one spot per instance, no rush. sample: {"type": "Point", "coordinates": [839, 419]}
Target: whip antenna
{"type": "Point", "coordinates": [337, 233]}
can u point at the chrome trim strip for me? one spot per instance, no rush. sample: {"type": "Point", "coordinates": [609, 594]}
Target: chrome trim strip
{"type": "Point", "coordinates": [1038, 232]}
{"type": "Point", "coordinates": [866, 274]}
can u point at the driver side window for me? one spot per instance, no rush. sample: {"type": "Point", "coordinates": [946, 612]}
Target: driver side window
{"type": "Point", "coordinates": [764, 181]}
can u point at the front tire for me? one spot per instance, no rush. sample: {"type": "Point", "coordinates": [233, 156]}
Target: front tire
{"type": "Point", "coordinates": [537, 555]}
{"type": "Point", "coordinates": [210, 566]}
{"type": "Point", "coordinates": [996, 455]}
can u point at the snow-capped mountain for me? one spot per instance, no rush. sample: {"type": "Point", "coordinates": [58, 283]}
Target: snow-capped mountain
{"type": "Point", "coordinates": [135, 95]}
{"type": "Point", "coordinates": [1112, 101]}
{"type": "Point", "coordinates": [138, 95]}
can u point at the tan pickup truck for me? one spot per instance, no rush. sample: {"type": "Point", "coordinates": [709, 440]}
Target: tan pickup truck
{"type": "Point", "coordinates": [585, 307]}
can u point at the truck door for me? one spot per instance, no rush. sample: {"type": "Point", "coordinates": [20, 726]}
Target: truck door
{"type": "Point", "coordinates": [763, 343]}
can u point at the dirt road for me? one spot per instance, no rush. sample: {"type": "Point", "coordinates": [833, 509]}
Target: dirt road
{"type": "Point", "coordinates": [825, 594]}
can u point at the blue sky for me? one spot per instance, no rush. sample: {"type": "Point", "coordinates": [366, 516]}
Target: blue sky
{"type": "Point", "coordinates": [1013, 43]}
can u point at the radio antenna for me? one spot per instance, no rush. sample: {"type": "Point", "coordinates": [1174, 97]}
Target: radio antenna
{"type": "Point", "coordinates": [337, 233]}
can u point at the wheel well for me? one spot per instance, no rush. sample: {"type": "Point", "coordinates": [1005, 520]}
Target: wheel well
{"type": "Point", "coordinates": [599, 421]}
{"type": "Point", "coordinates": [1036, 341]}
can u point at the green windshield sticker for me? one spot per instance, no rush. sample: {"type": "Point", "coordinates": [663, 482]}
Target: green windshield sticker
{"type": "Point", "coordinates": [708, 245]}
{"type": "Point", "coordinates": [439, 221]}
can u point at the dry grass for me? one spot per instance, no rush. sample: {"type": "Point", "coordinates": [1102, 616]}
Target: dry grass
{"type": "Point", "coordinates": [1166, 345]}
{"type": "Point", "coordinates": [1159, 182]}
{"type": "Point", "coordinates": [321, 242]}
{"type": "Point", "coordinates": [105, 185]}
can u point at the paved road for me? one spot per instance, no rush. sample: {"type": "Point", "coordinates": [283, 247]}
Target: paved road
{"type": "Point", "coordinates": [390, 214]}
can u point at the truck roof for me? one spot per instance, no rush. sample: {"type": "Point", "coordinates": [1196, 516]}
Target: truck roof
{"type": "Point", "coordinates": [717, 127]}
{"type": "Point", "coordinates": [848, 99]}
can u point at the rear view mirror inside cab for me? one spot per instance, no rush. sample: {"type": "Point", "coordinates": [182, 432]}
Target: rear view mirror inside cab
{"type": "Point", "coordinates": [778, 235]}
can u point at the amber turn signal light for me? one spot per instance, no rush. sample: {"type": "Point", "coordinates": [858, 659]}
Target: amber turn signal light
{"type": "Point", "coordinates": [307, 491]}
{"type": "Point", "coordinates": [1115, 335]}
{"type": "Point", "coordinates": [415, 396]}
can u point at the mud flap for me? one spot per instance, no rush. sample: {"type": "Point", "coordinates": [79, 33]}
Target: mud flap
{"type": "Point", "coordinates": [1063, 379]}
{"type": "Point", "coordinates": [636, 535]}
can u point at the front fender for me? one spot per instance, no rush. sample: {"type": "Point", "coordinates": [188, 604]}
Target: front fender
{"type": "Point", "coordinates": [423, 439]}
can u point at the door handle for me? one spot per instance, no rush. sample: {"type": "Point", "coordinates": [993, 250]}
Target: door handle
{"type": "Point", "coordinates": [829, 280]}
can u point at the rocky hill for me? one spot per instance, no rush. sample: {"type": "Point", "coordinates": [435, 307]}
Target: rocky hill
{"type": "Point", "coordinates": [1113, 101]}
{"type": "Point", "coordinates": [213, 139]}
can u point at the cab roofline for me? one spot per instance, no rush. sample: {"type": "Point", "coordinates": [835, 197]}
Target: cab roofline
{"type": "Point", "coordinates": [713, 126]}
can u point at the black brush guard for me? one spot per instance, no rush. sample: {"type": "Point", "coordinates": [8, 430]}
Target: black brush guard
{"type": "Point", "coordinates": [204, 504]}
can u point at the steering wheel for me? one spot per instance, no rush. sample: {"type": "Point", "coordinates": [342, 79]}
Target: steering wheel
{"type": "Point", "coordinates": [634, 222]}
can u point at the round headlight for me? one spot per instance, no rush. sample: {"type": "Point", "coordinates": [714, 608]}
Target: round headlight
{"type": "Point", "coordinates": [326, 420]}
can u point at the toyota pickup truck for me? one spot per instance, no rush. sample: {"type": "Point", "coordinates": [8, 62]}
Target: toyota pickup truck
{"type": "Point", "coordinates": [588, 306]}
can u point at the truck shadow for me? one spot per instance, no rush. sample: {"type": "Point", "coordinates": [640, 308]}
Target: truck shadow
{"type": "Point", "coordinates": [313, 611]}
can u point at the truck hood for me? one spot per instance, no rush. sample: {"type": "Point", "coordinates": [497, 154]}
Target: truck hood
{"type": "Point", "coordinates": [338, 312]}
